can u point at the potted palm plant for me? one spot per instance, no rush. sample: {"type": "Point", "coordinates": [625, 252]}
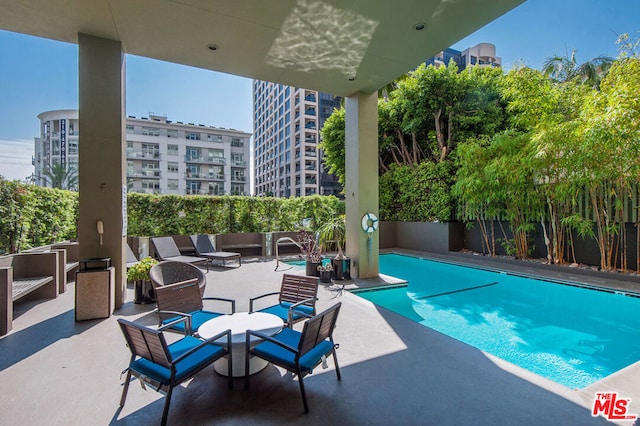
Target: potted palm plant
{"type": "Point", "coordinates": [334, 232]}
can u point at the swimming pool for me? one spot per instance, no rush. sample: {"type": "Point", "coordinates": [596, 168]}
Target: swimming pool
{"type": "Point", "coordinates": [571, 335]}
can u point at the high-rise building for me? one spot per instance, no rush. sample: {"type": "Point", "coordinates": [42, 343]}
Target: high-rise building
{"type": "Point", "coordinates": [482, 54]}
{"type": "Point", "coordinates": [162, 156]}
{"type": "Point", "coordinates": [286, 125]}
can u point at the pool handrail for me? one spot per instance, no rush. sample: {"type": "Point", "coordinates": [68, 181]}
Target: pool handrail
{"type": "Point", "coordinates": [283, 239]}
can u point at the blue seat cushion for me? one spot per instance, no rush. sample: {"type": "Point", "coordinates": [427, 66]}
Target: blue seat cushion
{"type": "Point", "coordinates": [282, 311]}
{"type": "Point", "coordinates": [280, 356]}
{"type": "Point", "coordinates": [185, 367]}
{"type": "Point", "coordinates": [197, 319]}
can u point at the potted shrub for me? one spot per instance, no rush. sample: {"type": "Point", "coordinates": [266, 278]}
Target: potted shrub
{"type": "Point", "coordinates": [310, 252]}
{"type": "Point", "coordinates": [325, 271]}
{"type": "Point", "coordinates": [335, 232]}
{"type": "Point", "coordinates": [138, 274]}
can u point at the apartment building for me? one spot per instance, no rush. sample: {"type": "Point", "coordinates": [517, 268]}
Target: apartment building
{"type": "Point", "coordinates": [286, 125]}
{"type": "Point", "coordinates": [163, 157]}
{"type": "Point", "coordinates": [482, 54]}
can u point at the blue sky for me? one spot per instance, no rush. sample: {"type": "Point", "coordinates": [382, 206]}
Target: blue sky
{"type": "Point", "coordinates": [38, 75]}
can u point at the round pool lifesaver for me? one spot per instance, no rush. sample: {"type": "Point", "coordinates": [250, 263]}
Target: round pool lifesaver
{"type": "Point", "coordinates": [369, 222]}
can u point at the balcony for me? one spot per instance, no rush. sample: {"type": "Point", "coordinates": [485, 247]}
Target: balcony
{"type": "Point", "coordinates": [238, 178]}
{"type": "Point", "coordinates": [143, 155]}
{"type": "Point", "coordinates": [309, 153]}
{"type": "Point", "coordinates": [154, 174]}
{"type": "Point", "coordinates": [203, 176]}
{"type": "Point", "coordinates": [239, 163]}
{"type": "Point", "coordinates": [205, 160]}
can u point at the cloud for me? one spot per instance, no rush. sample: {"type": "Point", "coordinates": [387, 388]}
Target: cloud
{"type": "Point", "coordinates": [15, 158]}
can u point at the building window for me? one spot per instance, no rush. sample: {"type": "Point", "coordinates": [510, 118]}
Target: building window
{"type": "Point", "coordinates": [194, 136]}
{"type": "Point", "coordinates": [237, 142]}
{"type": "Point", "coordinates": [172, 184]}
{"type": "Point", "coordinates": [237, 159]}
{"type": "Point", "coordinates": [72, 148]}
{"type": "Point", "coordinates": [151, 131]}
{"type": "Point", "coordinates": [172, 149]}
{"type": "Point", "coordinates": [193, 154]}
{"type": "Point", "coordinates": [172, 167]}
{"type": "Point", "coordinates": [150, 184]}
{"type": "Point", "coordinates": [237, 189]}
{"type": "Point", "coordinates": [214, 138]}
{"type": "Point", "coordinates": [150, 150]}
{"type": "Point", "coordinates": [193, 187]}
{"type": "Point", "coordinates": [129, 128]}
{"type": "Point", "coordinates": [172, 133]}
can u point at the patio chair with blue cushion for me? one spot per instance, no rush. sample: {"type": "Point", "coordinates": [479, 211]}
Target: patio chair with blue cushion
{"type": "Point", "coordinates": [183, 300]}
{"type": "Point", "coordinates": [296, 299]}
{"type": "Point", "coordinates": [298, 352]}
{"type": "Point", "coordinates": [164, 366]}
{"type": "Point", "coordinates": [204, 248]}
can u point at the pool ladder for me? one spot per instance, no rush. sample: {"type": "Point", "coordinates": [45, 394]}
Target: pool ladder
{"type": "Point", "coordinates": [282, 240]}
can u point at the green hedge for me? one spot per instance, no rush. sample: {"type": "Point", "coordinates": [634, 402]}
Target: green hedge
{"type": "Point", "coordinates": [31, 216]}
{"type": "Point", "coordinates": [416, 193]}
{"type": "Point", "coordinates": [183, 215]}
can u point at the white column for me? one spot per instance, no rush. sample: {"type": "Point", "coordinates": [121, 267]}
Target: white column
{"type": "Point", "coordinates": [361, 192]}
{"type": "Point", "coordinates": [102, 166]}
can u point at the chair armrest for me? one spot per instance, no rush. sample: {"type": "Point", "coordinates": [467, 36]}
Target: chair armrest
{"type": "Point", "coordinates": [268, 338]}
{"type": "Point", "coordinates": [205, 343]}
{"type": "Point", "coordinates": [233, 302]}
{"type": "Point", "coordinates": [174, 322]}
{"type": "Point", "coordinates": [185, 317]}
{"type": "Point", "coordinates": [260, 297]}
{"type": "Point", "coordinates": [311, 299]}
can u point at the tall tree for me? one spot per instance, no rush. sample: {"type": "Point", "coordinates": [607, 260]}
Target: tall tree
{"type": "Point", "coordinates": [61, 177]}
{"type": "Point", "coordinates": [566, 68]}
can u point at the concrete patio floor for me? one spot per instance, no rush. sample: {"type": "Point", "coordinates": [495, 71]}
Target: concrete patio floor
{"type": "Point", "coordinates": [54, 371]}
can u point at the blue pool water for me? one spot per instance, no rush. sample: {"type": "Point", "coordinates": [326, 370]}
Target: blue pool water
{"type": "Point", "coordinates": [571, 335]}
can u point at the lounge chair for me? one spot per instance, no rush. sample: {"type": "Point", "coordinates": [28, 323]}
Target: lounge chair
{"type": "Point", "coordinates": [167, 249]}
{"type": "Point", "coordinates": [132, 259]}
{"type": "Point", "coordinates": [296, 299]}
{"type": "Point", "coordinates": [298, 352]}
{"type": "Point", "coordinates": [183, 300]}
{"type": "Point", "coordinates": [172, 271]}
{"type": "Point", "coordinates": [204, 248]}
{"type": "Point", "coordinates": [165, 366]}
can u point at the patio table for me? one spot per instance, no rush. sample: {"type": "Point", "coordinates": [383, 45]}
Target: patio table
{"type": "Point", "coordinates": [239, 323]}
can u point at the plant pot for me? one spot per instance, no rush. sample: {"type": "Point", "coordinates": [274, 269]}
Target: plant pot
{"type": "Point", "coordinates": [341, 268]}
{"type": "Point", "coordinates": [312, 269]}
{"type": "Point", "coordinates": [143, 292]}
{"type": "Point", "coordinates": [325, 277]}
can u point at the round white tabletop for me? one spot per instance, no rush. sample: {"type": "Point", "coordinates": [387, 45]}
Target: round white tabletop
{"type": "Point", "coordinates": [239, 323]}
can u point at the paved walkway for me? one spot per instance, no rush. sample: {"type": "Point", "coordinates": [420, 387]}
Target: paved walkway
{"type": "Point", "coordinates": [54, 371]}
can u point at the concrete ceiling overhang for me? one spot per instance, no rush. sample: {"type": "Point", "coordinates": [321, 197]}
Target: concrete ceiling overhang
{"type": "Point", "coordinates": [336, 46]}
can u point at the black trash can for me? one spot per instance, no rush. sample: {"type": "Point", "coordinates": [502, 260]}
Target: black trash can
{"type": "Point", "coordinates": [94, 288]}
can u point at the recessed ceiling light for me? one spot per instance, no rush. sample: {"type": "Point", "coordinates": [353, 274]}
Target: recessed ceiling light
{"type": "Point", "coordinates": [420, 26]}
{"type": "Point", "coordinates": [212, 47]}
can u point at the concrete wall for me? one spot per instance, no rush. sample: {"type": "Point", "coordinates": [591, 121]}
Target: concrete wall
{"type": "Point", "coordinates": [423, 236]}
{"type": "Point", "coordinates": [586, 249]}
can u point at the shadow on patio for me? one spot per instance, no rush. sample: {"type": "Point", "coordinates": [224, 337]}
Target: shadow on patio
{"type": "Point", "coordinates": [394, 371]}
